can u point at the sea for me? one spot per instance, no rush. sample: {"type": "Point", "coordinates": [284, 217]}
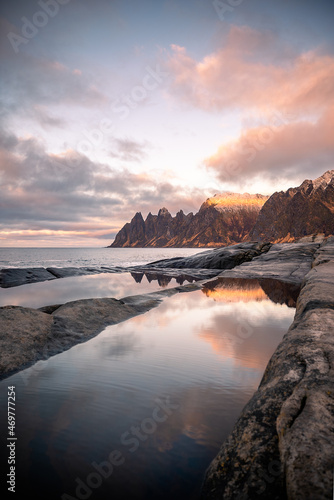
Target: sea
{"type": "Point", "coordinates": [87, 257]}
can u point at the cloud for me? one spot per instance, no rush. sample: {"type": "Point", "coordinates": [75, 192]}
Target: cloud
{"type": "Point", "coordinates": [69, 193]}
{"type": "Point", "coordinates": [277, 149]}
{"type": "Point", "coordinates": [130, 150]}
{"type": "Point", "coordinates": [286, 99]}
{"type": "Point", "coordinates": [31, 85]}
{"type": "Point", "coordinates": [241, 75]}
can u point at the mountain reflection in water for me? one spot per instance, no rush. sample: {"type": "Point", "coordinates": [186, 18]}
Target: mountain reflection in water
{"type": "Point", "coordinates": [204, 351]}
{"type": "Point", "coordinates": [245, 290]}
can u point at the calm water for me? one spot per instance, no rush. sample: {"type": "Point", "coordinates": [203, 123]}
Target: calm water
{"type": "Point", "coordinates": [163, 389]}
{"type": "Point", "coordinates": [60, 291]}
{"type": "Point", "coordinates": [82, 257]}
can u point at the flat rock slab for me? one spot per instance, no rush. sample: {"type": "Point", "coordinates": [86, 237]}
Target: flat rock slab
{"type": "Point", "coordinates": [288, 262]}
{"type": "Point", "coordinates": [282, 446]}
{"type": "Point", "coordinates": [16, 277]}
{"type": "Point", "coordinates": [23, 334]}
{"type": "Point", "coordinates": [219, 258]}
{"type": "Point", "coordinates": [325, 253]}
{"type": "Point", "coordinates": [68, 272]}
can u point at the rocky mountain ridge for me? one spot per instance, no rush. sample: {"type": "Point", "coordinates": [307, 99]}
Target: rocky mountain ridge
{"type": "Point", "coordinates": [298, 212]}
{"type": "Point", "coordinates": [223, 219]}
{"type": "Point", "coordinates": [229, 218]}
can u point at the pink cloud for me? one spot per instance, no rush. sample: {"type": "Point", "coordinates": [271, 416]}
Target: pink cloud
{"type": "Point", "coordinates": [277, 150]}
{"type": "Point", "coordinates": [255, 74]}
{"type": "Point", "coordinates": [239, 76]}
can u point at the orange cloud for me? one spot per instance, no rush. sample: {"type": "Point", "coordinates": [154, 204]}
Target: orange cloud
{"type": "Point", "coordinates": [292, 93]}
{"type": "Point", "coordinates": [239, 76]}
{"type": "Point", "coordinates": [296, 148]}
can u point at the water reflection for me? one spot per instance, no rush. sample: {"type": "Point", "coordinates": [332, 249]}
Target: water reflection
{"type": "Point", "coordinates": [206, 355]}
{"type": "Point", "coordinates": [164, 279]}
{"type": "Point", "coordinates": [60, 291]}
{"type": "Point", "coordinates": [245, 290]}
{"type": "Point", "coordinates": [122, 345]}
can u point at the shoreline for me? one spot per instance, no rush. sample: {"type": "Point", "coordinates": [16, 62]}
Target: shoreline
{"type": "Point", "coordinates": [282, 444]}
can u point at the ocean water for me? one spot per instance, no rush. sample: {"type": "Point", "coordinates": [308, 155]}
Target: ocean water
{"type": "Point", "coordinates": [87, 257]}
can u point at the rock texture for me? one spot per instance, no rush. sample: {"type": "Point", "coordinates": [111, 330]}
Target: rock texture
{"type": "Point", "coordinates": [222, 220]}
{"type": "Point", "coordinates": [288, 262]}
{"type": "Point", "coordinates": [219, 258]}
{"type": "Point", "coordinates": [16, 276]}
{"type": "Point", "coordinates": [305, 210]}
{"type": "Point", "coordinates": [282, 446]}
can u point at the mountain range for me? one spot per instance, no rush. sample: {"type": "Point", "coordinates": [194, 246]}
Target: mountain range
{"type": "Point", "coordinates": [229, 218]}
{"type": "Point", "coordinates": [297, 212]}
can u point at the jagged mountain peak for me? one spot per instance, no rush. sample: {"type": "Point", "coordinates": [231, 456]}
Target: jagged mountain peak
{"type": "Point", "coordinates": [163, 212]}
{"type": "Point", "coordinates": [324, 180]}
{"type": "Point", "coordinates": [138, 216]}
{"type": "Point", "coordinates": [298, 212]}
{"type": "Point", "coordinates": [221, 220]}
{"type": "Point", "coordinates": [228, 218]}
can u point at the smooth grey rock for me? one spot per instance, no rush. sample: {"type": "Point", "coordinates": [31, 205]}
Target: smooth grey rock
{"type": "Point", "coordinates": [282, 446]}
{"type": "Point", "coordinates": [49, 309]}
{"type": "Point", "coordinates": [23, 334]}
{"type": "Point", "coordinates": [288, 262]}
{"type": "Point", "coordinates": [325, 253]}
{"type": "Point", "coordinates": [15, 276]}
{"type": "Point", "coordinates": [68, 272]}
{"type": "Point", "coordinates": [219, 258]}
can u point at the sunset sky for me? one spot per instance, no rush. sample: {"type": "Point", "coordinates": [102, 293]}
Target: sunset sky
{"type": "Point", "coordinates": [109, 107]}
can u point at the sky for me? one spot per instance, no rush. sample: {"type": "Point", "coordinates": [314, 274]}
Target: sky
{"type": "Point", "coordinates": [110, 107]}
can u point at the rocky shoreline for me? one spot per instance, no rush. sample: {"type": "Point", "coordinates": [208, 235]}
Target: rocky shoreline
{"type": "Point", "coordinates": [282, 444]}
